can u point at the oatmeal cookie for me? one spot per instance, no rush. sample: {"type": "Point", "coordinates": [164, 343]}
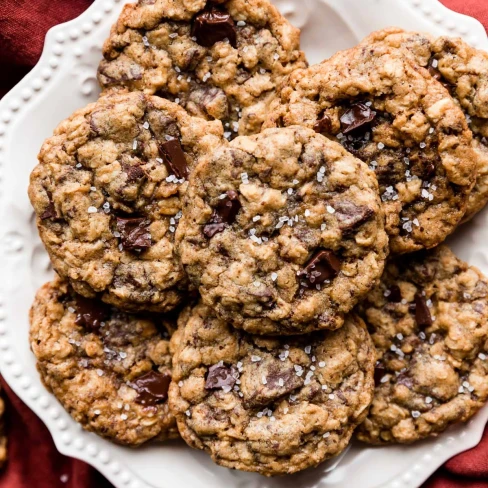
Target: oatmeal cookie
{"type": "Point", "coordinates": [429, 321]}
{"type": "Point", "coordinates": [398, 118]}
{"type": "Point", "coordinates": [220, 60]}
{"type": "Point", "coordinates": [107, 191]}
{"type": "Point", "coordinates": [111, 371]}
{"type": "Point", "coordinates": [282, 232]}
{"type": "Point", "coordinates": [464, 72]}
{"type": "Point", "coordinates": [269, 405]}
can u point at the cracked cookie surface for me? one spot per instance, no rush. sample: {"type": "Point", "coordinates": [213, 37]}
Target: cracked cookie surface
{"type": "Point", "coordinates": [269, 405]}
{"type": "Point", "coordinates": [429, 322]}
{"type": "Point", "coordinates": [282, 232]}
{"type": "Point", "coordinates": [110, 370]}
{"type": "Point", "coordinates": [463, 70]}
{"type": "Point", "coordinates": [219, 60]}
{"type": "Point", "coordinates": [107, 192]}
{"type": "Point", "coordinates": [401, 121]}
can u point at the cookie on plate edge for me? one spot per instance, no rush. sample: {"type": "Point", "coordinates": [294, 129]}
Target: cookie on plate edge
{"type": "Point", "coordinates": [462, 69]}
{"type": "Point", "coordinates": [107, 196]}
{"type": "Point", "coordinates": [110, 370]}
{"type": "Point", "coordinates": [269, 405]}
{"type": "Point", "coordinates": [399, 119]}
{"type": "Point", "coordinates": [429, 322]}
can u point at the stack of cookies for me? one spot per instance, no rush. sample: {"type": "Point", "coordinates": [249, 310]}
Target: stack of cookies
{"type": "Point", "coordinates": [249, 250]}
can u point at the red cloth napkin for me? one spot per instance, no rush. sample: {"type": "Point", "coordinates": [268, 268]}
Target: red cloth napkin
{"type": "Point", "coordinates": [33, 459]}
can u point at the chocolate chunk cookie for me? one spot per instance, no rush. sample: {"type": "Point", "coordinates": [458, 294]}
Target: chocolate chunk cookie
{"type": "Point", "coordinates": [107, 194]}
{"type": "Point", "coordinates": [282, 232]}
{"type": "Point", "coordinates": [399, 119]}
{"type": "Point", "coordinates": [269, 405]}
{"type": "Point", "coordinates": [464, 72]}
{"type": "Point", "coordinates": [111, 371]}
{"type": "Point", "coordinates": [429, 321]}
{"type": "Point", "coordinates": [218, 59]}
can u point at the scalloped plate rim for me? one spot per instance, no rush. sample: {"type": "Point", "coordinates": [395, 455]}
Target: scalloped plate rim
{"type": "Point", "coordinates": [71, 450]}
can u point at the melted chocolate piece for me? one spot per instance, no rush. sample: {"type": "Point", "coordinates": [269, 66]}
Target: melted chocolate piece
{"type": "Point", "coordinates": [214, 25]}
{"type": "Point", "coordinates": [134, 173]}
{"type": "Point", "coordinates": [213, 228]}
{"type": "Point", "coordinates": [134, 233]}
{"type": "Point", "coordinates": [152, 388]}
{"type": "Point", "coordinates": [422, 312]}
{"type": "Point", "coordinates": [395, 295]}
{"type": "Point", "coordinates": [229, 207]}
{"type": "Point", "coordinates": [174, 158]}
{"type": "Point", "coordinates": [356, 116]}
{"type": "Point", "coordinates": [49, 213]}
{"type": "Point", "coordinates": [223, 215]}
{"type": "Point", "coordinates": [351, 216]}
{"type": "Point", "coordinates": [323, 124]}
{"type": "Point", "coordinates": [219, 376]}
{"type": "Point", "coordinates": [324, 265]}
{"type": "Point", "coordinates": [90, 313]}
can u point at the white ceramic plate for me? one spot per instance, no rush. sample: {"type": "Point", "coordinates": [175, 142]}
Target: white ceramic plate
{"type": "Point", "coordinates": [63, 81]}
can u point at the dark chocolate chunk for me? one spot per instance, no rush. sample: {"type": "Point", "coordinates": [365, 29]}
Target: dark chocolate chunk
{"type": "Point", "coordinates": [134, 233]}
{"type": "Point", "coordinates": [90, 313]}
{"type": "Point", "coordinates": [395, 295]}
{"type": "Point", "coordinates": [351, 216]}
{"type": "Point", "coordinates": [211, 229]}
{"type": "Point", "coordinates": [379, 372]}
{"type": "Point", "coordinates": [323, 124]}
{"type": "Point", "coordinates": [356, 116]}
{"type": "Point", "coordinates": [174, 158]}
{"type": "Point", "coordinates": [220, 376]}
{"type": "Point", "coordinates": [50, 210]}
{"type": "Point", "coordinates": [280, 381]}
{"type": "Point", "coordinates": [49, 213]}
{"type": "Point", "coordinates": [152, 388]}
{"type": "Point", "coordinates": [214, 25]}
{"type": "Point", "coordinates": [134, 173]}
{"type": "Point", "coordinates": [212, 100]}
{"type": "Point", "coordinates": [289, 379]}
{"type": "Point", "coordinates": [224, 214]}
{"type": "Point", "coordinates": [324, 265]}
{"type": "Point", "coordinates": [229, 207]}
{"type": "Point", "coordinates": [422, 312]}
